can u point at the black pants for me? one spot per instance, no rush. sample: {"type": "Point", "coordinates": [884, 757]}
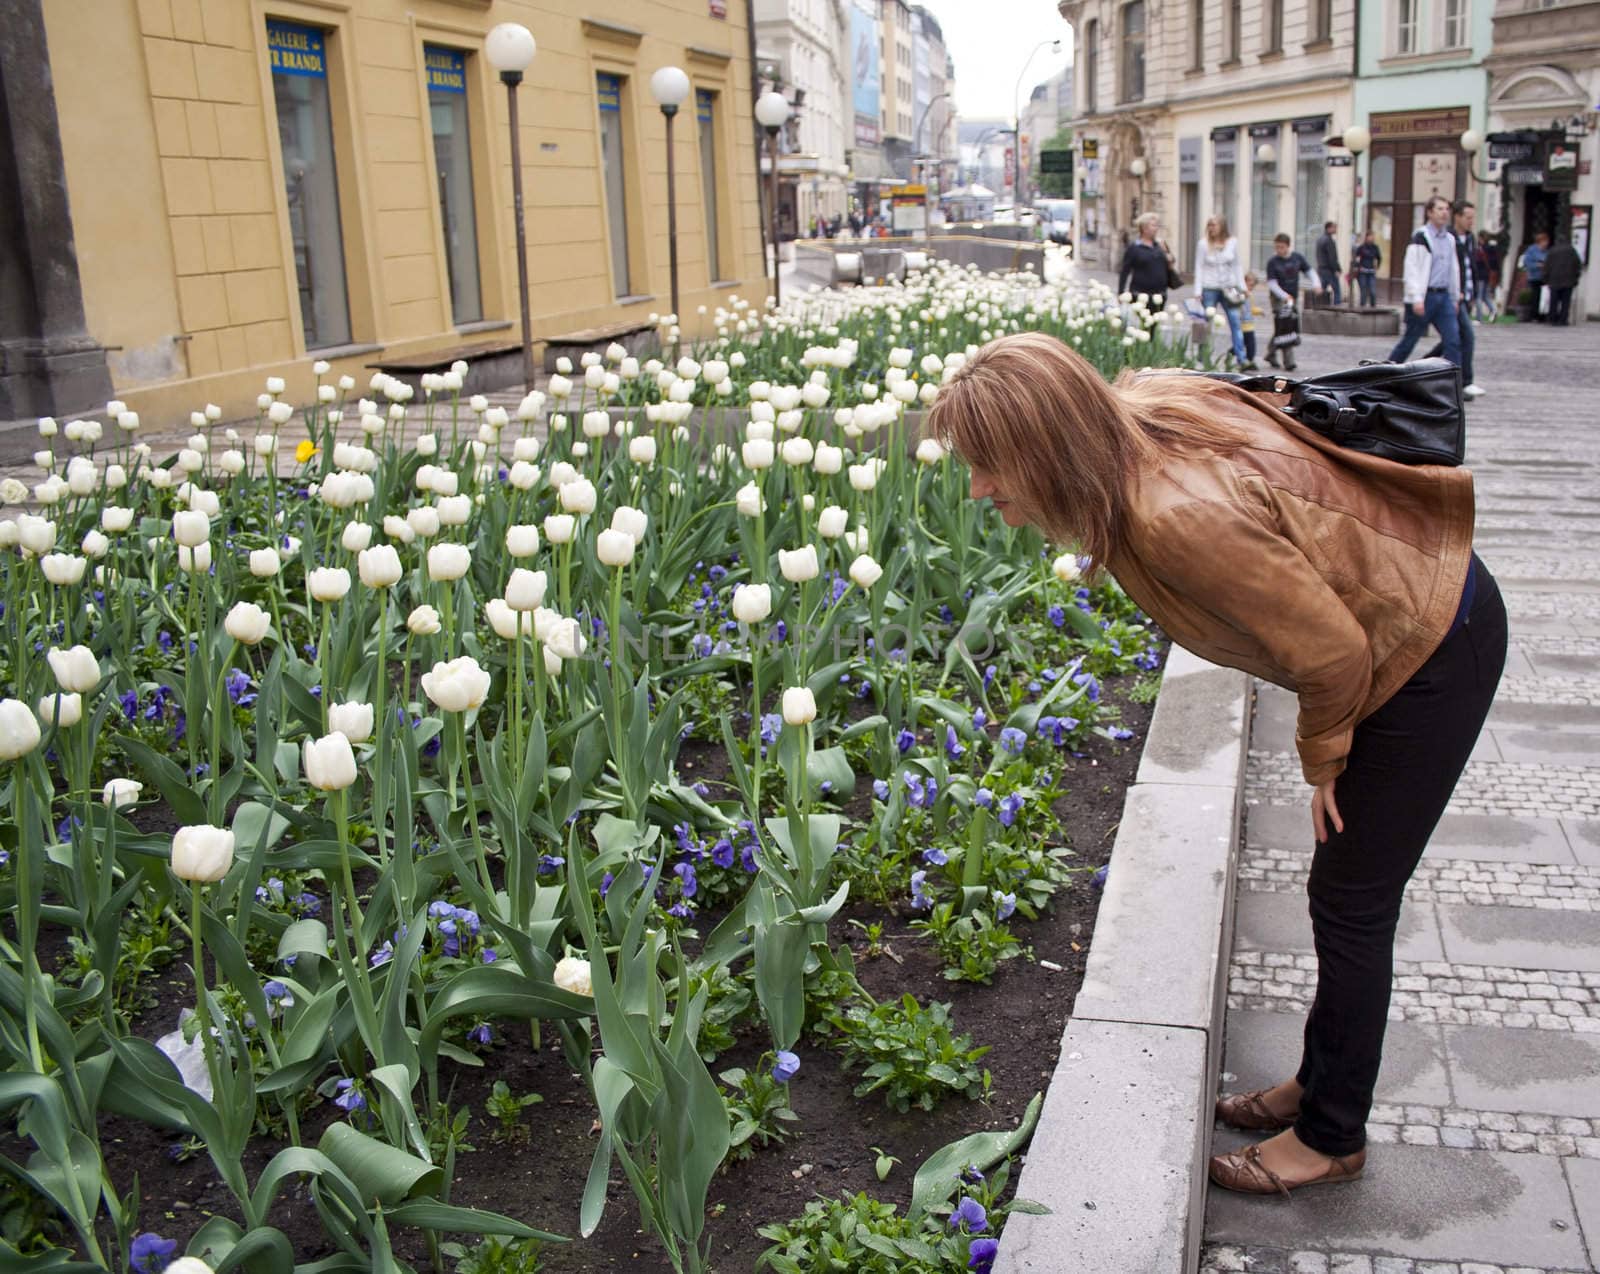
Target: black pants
{"type": "Point", "coordinates": [1403, 765]}
{"type": "Point", "coordinates": [1560, 306]}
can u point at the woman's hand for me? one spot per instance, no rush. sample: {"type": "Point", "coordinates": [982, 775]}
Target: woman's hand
{"type": "Point", "coordinates": [1323, 810]}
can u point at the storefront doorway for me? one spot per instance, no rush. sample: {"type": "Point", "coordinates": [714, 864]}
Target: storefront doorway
{"type": "Point", "coordinates": [1415, 155]}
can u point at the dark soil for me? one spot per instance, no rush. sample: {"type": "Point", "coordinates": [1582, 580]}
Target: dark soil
{"type": "Point", "coordinates": [539, 1179]}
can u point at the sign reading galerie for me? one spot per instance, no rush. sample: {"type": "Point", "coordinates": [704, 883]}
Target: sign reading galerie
{"type": "Point", "coordinates": [296, 50]}
{"type": "Point", "coordinates": [447, 70]}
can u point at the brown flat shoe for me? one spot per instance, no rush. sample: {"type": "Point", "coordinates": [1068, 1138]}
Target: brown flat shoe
{"type": "Point", "coordinates": [1242, 1170]}
{"type": "Point", "coordinates": [1249, 1111]}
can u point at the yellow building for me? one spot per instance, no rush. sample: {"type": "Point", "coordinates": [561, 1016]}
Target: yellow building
{"type": "Point", "coordinates": [252, 184]}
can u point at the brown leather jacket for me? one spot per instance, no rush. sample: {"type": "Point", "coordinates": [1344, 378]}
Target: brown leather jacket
{"type": "Point", "coordinates": [1329, 572]}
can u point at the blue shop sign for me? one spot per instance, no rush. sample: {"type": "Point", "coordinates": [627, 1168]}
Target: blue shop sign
{"type": "Point", "coordinates": [296, 49]}
{"type": "Point", "coordinates": [610, 90]}
{"type": "Point", "coordinates": [446, 69]}
{"type": "Point", "coordinates": [704, 99]}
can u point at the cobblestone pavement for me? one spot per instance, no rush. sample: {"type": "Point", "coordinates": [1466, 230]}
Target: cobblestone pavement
{"type": "Point", "coordinates": [1486, 1131]}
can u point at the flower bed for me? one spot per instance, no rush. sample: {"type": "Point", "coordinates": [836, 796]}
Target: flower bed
{"type": "Point", "coordinates": [537, 814]}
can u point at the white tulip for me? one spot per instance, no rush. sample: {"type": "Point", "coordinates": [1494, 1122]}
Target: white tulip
{"type": "Point", "coordinates": [863, 477]}
{"type": "Point", "coordinates": [1066, 568]}
{"type": "Point", "coordinates": [642, 450]}
{"type": "Point", "coordinates": [522, 540]}
{"type": "Point", "coordinates": [115, 520]}
{"type": "Point", "coordinates": [120, 793]}
{"type": "Point", "coordinates": [634, 521]}
{"type": "Point", "coordinates": [525, 589]}
{"type": "Point", "coordinates": [95, 544]}
{"type": "Point", "coordinates": [19, 730]}
{"type": "Point", "coordinates": [36, 534]}
{"type": "Point", "coordinates": [275, 385]}
{"type": "Point", "coordinates": [750, 501]}
{"type": "Point", "coordinates": [379, 566]}
{"type": "Point", "coordinates": [832, 522]}
{"type": "Point", "coordinates": [829, 459]}
{"type": "Point", "coordinates": [458, 685]}
{"type": "Point", "coordinates": [799, 565]}
{"type": "Point", "coordinates": [231, 462]}
{"type": "Point", "coordinates": [865, 571]}
{"type": "Point", "coordinates": [448, 561]}
{"type": "Point", "coordinates": [505, 621]}
{"type": "Point", "coordinates": [524, 476]}
{"type": "Point", "coordinates": [353, 720]}
{"type": "Point", "coordinates": [356, 536]}
{"type": "Point", "coordinates": [799, 706]}
{"type": "Point", "coordinates": [203, 501]}
{"type": "Point", "coordinates": [397, 528]}
{"type": "Point", "coordinates": [454, 510]}
{"type": "Point", "coordinates": [423, 521]}
{"type": "Point", "coordinates": [246, 623]}
{"type": "Point", "coordinates": [201, 853]}
{"type": "Point", "coordinates": [266, 445]}
{"type": "Point", "coordinates": [566, 638]}
{"type": "Point", "coordinates": [75, 668]}
{"type": "Point", "coordinates": [578, 496]}
{"type": "Point", "coordinates": [423, 621]}
{"type": "Point", "coordinates": [614, 548]}
{"type": "Point", "coordinates": [797, 451]}
{"type": "Point", "coordinates": [427, 445]}
{"type": "Point", "coordinates": [264, 563]}
{"type": "Point", "coordinates": [62, 568]}
{"type": "Point", "coordinates": [752, 603]}
{"type": "Point", "coordinates": [62, 710]}
{"type": "Point", "coordinates": [330, 764]}
{"type": "Point", "coordinates": [328, 583]}
{"type": "Point", "coordinates": [571, 975]}
{"type": "Point", "coordinates": [929, 451]}
{"type": "Point", "coordinates": [757, 453]}
{"type": "Point", "coordinates": [191, 529]}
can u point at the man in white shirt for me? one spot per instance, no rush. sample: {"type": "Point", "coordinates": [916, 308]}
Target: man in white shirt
{"type": "Point", "coordinates": [1432, 285]}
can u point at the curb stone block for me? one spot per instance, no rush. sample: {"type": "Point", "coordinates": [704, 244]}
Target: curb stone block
{"type": "Point", "coordinates": [1120, 1153]}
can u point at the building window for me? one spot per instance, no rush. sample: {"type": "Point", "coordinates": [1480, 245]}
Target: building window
{"type": "Point", "coordinates": [1264, 225]}
{"type": "Point", "coordinates": [1224, 191]}
{"type": "Point", "coordinates": [1197, 34]}
{"type": "Point", "coordinates": [1322, 20]}
{"type": "Point", "coordinates": [1274, 27]}
{"type": "Point", "coordinates": [1310, 183]}
{"type": "Point", "coordinates": [609, 92]}
{"type": "Point", "coordinates": [705, 111]}
{"type": "Point", "coordinates": [1133, 51]}
{"type": "Point", "coordinates": [1235, 23]}
{"type": "Point", "coordinates": [452, 158]}
{"type": "Point", "coordinates": [1405, 28]}
{"type": "Point", "coordinates": [1091, 69]}
{"type": "Point", "coordinates": [305, 135]}
{"type": "Point", "coordinates": [1455, 24]}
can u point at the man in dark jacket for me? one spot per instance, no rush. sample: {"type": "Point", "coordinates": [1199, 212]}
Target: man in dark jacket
{"type": "Point", "coordinates": [1562, 267]}
{"type": "Point", "coordinates": [1328, 259]}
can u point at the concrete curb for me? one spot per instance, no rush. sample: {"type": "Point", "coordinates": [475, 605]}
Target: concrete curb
{"type": "Point", "coordinates": [1119, 1156]}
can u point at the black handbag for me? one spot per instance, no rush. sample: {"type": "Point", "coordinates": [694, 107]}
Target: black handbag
{"type": "Point", "coordinates": [1408, 412]}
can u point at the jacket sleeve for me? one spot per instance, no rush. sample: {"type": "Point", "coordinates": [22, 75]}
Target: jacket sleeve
{"type": "Point", "coordinates": [1125, 269]}
{"type": "Point", "coordinates": [1418, 265]}
{"type": "Point", "coordinates": [1227, 559]}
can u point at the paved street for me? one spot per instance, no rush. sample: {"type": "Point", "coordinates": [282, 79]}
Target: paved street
{"type": "Point", "coordinates": [1486, 1138]}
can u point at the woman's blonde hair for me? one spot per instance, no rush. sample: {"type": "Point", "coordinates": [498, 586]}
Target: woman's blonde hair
{"type": "Point", "coordinates": [1221, 223]}
{"type": "Point", "coordinates": [1149, 219]}
{"type": "Point", "coordinates": [1065, 446]}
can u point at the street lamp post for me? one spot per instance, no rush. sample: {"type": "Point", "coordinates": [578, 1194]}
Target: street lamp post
{"type": "Point", "coordinates": [510, 48]}
{"type": "Point", "coordinates": [1016, 100]}
{"type": "Point", "coordinates": [1356, 139]}
{"type": "Point", "coordinates": [670, 87]}
{"type": "Point", "coordinates": [916, 145]}
{"type": "Point", "coordinates": [772, 112]}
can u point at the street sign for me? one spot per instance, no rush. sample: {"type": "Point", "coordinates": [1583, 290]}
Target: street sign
{"type": "Point", "coordinates": [1511, 150]}
{"type": "Point", "coordinates": [1055, 161]}
{"type": "Point", "coordinates": [910, 192]}
{"type": "Point", "coordinates": [1341, 161]}
{"type": "Point", "coordinates": [1091, 148]}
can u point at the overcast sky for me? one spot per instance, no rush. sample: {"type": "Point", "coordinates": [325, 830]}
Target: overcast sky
{"type": "Point", "coordinates": [990, 40]}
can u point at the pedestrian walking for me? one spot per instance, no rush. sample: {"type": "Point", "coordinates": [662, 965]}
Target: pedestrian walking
{"type": "Point", "coordinates": [1249, 312]}
{"type": "Point", "coordinates": [1432, 285]}
{"type": "Point", "coordinates": [1368, 258]}
{"type": "Point", "coordinates": [1328, 260]}
{"type": "Point", "coordinates": [1562, 269]}
{"type": "Point", "coordinates": [1219, 274]}
{"type": "Point", "coordinates": [1462, 215]}
{"type": "Point", "coordinates": [1533, 267]}
{"type": "Point", "coordinates": [1494, 254]}
{"type": "Point", "coordinates": [1346, 578]}
{"type": "Point", "coordinates": [1285, 269]}
{"type": "Point", "coordinates": [1147, 267]}
{"type": "Point", "coordinates": [1482, 289]}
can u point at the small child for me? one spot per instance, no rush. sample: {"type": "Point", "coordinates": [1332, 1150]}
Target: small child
{"type": "Point", "coordinates": [1248, 313]}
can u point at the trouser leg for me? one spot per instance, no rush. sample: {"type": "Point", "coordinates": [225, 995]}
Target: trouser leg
{"type": "Point", "coordinates": [1404, 763]}
{"type": "Point", "coordinates": [1416, 324]}
{"type": "Point", "coordinates": [1468, 342]}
